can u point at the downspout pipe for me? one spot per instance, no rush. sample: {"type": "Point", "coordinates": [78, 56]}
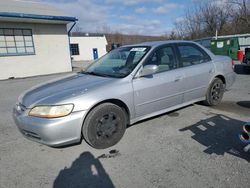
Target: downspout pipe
{"type": "Point", "coordinates": [71, 28]}
{"type": "Point", "coordinates": [69, 41]}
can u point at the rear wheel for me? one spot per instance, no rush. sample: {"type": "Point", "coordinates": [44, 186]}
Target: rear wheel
{"type": "Point", "coordinates": [104, 126]}
{"type": "Point", "coordinates": [215, 92]}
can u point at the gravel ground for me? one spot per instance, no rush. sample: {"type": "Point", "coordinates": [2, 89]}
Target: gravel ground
{"type": "Point", "coordinates": [196, 146]}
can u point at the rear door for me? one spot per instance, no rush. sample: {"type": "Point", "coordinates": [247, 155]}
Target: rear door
{"type": "Point", "coordinates": [163, 89]}
{"type": "Point", "coordinates": [198, 70]}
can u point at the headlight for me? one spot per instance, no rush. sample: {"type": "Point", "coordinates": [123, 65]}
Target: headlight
{"type": "Point", "coordinates": [51, 111]}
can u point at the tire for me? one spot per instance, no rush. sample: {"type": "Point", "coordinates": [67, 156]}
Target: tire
{"type": "Point", "coordinates": [104, 126]}
{"type": "Point", "coordinates": [215, 92]}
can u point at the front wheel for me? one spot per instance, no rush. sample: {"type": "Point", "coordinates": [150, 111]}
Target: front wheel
{"type": "Point", "coordinates": [215, 92]}
{"type": "Point", "coordinates": [104, 126]}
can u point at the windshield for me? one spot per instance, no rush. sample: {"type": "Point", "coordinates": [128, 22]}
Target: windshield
{"type": "Point", "coordinates": [119, 62]}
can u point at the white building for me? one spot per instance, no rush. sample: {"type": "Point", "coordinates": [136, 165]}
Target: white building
{"type": "Point", "coordinates": [33, 39]}
{"type": "Point", "coordinates": [88, 47]}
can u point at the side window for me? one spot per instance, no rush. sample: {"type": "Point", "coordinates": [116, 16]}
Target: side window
{"type": "Point", "coordinates": [192, 55]}
{"type": "Point", "coordinates": [74, 49]}
{"type": "Point", "coordinates": [16, 42]}
{"type": "Point", "coordinates": [164, 58]}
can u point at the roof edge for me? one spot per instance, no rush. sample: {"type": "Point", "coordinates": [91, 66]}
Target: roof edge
{"type": "Point", "coordinates": [38, 17]}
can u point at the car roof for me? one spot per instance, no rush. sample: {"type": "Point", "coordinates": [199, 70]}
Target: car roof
{"type": "Point", "coordinates": [158, 43]}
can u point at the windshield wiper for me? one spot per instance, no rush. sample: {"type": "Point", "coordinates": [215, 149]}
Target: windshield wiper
{"type": "Point", "coordinates": [95, 74]}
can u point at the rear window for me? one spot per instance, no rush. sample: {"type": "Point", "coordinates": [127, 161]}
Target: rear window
{"type": "Point", "coordinates": [191, 54]}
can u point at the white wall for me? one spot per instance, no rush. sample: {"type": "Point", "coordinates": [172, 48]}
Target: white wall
{"type": "Point", "coordinates": [86, 45]}
{"type": "Point", "coordinates": [52, 53]}
{"type": "Point", "coordinates": [244, 43]}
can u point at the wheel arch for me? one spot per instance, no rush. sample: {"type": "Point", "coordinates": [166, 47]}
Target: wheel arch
{"type": "Point", "coordinates": [207, 100]}
{"type": "Point", "coordinates": [117, 102]}
{"type": "Point", "coordinates": [223, 79]}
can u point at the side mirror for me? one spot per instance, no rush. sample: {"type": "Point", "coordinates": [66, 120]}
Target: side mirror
{"type": "Point", "coordinates": [148, 70]}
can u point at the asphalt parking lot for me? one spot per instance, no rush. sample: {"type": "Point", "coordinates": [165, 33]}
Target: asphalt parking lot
{"type": "Point", "coordinates": [196, 146]}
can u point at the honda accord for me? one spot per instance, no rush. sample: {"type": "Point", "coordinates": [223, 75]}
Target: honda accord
{"type": "Point", "coordinates": [129, 84]}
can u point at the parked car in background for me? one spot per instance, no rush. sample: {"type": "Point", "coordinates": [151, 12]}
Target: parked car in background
{"type": "Point", "coordinates": [129, 84]}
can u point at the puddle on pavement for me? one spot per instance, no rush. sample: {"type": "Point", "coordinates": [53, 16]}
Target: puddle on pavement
{"type": "Point", "coordinates": [112, 153]}
{"type": "Point", "coordinates": [232, 107]}
{"type": "Point", "coordinates": [173, 114]}
{"type": "Point", "coordinates": [245, 104]}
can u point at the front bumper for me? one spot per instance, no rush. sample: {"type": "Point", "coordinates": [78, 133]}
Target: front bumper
{"type": "Point", "coordinates": [52, 132]}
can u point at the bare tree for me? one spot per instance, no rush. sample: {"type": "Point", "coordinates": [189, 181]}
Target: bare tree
{"type": "Point", "coordinates": [241, 15]}
{"type": "Point", "coordinates": [227, 17]}
{"type": "Point", "coordinates": [215, 17]}
{"type": "Point", "coordinates": [191, 26]}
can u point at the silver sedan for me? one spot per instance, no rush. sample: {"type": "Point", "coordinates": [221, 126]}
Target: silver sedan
{"type": "Point", "coordinates": [127, 85]}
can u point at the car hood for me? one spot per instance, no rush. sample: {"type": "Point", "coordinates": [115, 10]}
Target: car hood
{"type": "Point", "coordinates": [54, 92]}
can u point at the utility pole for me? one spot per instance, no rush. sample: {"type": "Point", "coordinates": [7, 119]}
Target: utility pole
{"type": "Point", "coordinates": [216, 34]}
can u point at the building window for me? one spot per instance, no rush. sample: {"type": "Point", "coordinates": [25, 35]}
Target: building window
{"type": "Point", "coordinates": [74, 49]}
{"type": "Point", "coordinates": [16, 42]}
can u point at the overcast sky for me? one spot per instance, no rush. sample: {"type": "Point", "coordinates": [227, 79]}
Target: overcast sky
{"type": "Point", "coordinates": [149, 17]}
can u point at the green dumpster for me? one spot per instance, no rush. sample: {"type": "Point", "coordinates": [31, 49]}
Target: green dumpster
{"type": "Point", "coordinates": [228, 47]}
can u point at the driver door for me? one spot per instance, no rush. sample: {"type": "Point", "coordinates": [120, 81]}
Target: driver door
{"type": "Point", "coordinates": [162, 90]}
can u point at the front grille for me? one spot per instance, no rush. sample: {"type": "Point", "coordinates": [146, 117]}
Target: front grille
{"type": "Point", "coordinates": [31, 134]}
